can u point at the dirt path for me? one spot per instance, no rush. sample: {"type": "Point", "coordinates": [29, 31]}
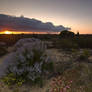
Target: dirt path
{"type": "Point", "coordinates": [2, 58]}
{"type": "Point", "coordinates": [10, 49]}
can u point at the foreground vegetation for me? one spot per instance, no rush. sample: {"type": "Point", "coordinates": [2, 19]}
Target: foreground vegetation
{"type": "Point", "coordinates": [71, 73]}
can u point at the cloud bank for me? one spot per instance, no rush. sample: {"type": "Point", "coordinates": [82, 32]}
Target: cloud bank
{"type": "Point", "coordinates": [27, 25]}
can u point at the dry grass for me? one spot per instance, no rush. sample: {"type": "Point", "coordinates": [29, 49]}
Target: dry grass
{"type": "Point", "coordinates": [80, 73]}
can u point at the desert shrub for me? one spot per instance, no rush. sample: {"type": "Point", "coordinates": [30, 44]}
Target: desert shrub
{"type": "Point", "coordinates": [74, 51]}
{"type": "Point", "coordinates": [67, 34]}
{"type": "Point", "coordinates": [84, 42]}
{"type": "Point", "coordinates": [66, 44]}
{"type": "Point", "coordinates": [84, 55]}
{"type": "Point", "coordinates": [86, 52]}
{"type": "Point", "coordinates": [31, 41]}
{"type": "Point", "coordinates": [30, 65]}
{"type": "Point", "coordinates": [61, 67]}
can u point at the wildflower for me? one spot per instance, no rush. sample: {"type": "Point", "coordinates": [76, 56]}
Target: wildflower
{"type": "Point", "coordinates": [71, 81]}
{"type": "Point", "coordinates": [67, 86]}
{"type": "Point", "coordinates": [64, 89]}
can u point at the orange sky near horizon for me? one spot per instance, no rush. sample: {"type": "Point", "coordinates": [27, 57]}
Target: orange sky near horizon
{"type": "Point", "coordinates": [83, 31]}
{"type": "Point", "coordinates": [13, 32]}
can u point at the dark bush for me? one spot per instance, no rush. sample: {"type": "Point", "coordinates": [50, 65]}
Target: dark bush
{"type": "Point", "coordinates": [67, 34]}
{"type": "Point", "coordinates": [66, 44]}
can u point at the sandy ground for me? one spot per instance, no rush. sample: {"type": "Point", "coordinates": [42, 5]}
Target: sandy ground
{"type": "Point", "coordinates": [4, 88]}
{"type": "Point", "coordinates": [10, 49]}
{"type": "Point", "coordinates": [2, 58]}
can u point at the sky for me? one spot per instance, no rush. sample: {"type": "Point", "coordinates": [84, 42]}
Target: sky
{"type": "Point", "coordinates": [76, 14]}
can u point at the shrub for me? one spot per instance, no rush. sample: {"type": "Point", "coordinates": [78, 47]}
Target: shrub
{"type": "Point", "coordinates": [86, 52]}
{"type": "Point", "coordinates": [30, 65]}
{"type": "Point", "coordinates": [84, 41]}
{"type": "Point", "coordinates": [61, 67]}
{"type": "Point", "coordinates": [31, 41]}
{"type": "Point", "coordinates": [84, 55]}
{"type": "Point", "coordinates": [66, 44]}
{"type": "Point", "coordinates": [67, 34]}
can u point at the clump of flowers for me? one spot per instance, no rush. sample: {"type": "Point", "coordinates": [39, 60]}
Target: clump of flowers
{"type": "Point", "coordinates": [28, 63]}
{"type": "Point", "coordinates": [59, 84]}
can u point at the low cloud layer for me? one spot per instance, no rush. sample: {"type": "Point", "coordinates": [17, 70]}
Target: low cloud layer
{"type": "Point", "coordinates": [27, 25]}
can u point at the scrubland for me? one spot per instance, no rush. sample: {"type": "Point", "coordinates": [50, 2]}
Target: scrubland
{"type": "Point", "coordinates": [54, 64]}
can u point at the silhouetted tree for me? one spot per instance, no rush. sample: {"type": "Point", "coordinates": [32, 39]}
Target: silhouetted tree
{"type": "Point", "coordinates": [77, 34]}
{"type": "Point", "coordinates": [22, 16]}
{"type": "Point", "coordinates": [66, 34]}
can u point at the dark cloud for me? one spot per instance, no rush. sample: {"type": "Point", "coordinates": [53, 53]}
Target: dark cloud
{"type": "Point", "coordinates": [27, 25]}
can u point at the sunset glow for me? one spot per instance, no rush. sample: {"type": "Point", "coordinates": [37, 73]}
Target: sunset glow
{"type": "Point", "coordinates": [7, 32]}
{"type": "Point", "coordinates": [13, 32]}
